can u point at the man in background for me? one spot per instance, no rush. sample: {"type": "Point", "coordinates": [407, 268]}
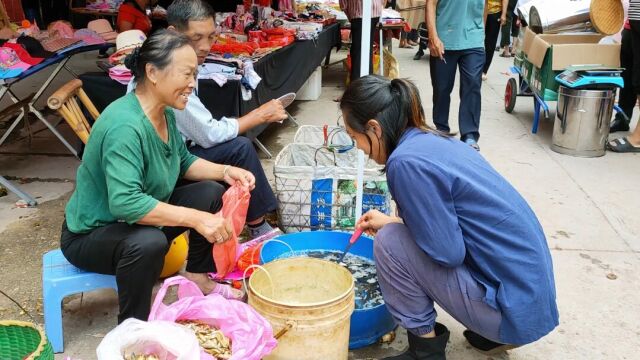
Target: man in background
{"type": "Point", "coordinates": [456, 40]}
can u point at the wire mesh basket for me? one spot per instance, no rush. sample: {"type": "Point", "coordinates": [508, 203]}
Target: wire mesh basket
{"type": "Point", "coordinates": [316, 188]}
{"type": "Point", "coordinates": [335, 136]}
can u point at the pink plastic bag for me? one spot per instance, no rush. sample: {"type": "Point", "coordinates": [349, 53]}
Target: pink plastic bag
{"type": "Point", "coordinates": [251, 335]}
{"type": "Point", "coordinates": [235, 203]}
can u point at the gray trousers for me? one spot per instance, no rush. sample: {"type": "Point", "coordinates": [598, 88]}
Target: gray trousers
{"type": "Point", "coordinates": [411, 282]}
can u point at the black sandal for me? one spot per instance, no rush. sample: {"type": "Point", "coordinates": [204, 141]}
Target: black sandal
{"type": "Point", "coordinates": [622, 145]}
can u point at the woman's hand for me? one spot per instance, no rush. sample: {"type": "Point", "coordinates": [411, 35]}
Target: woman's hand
{"type": "Point", "coordinates": [234, 174]}
{"type": "Point", "coordinates": [503, 19]}
{"type": "Point", "coordinates": [215, 229]}
{"type": "Point", "coordinates": [374, 220]}
{"type": "Point", "coordinates": [436, 47]}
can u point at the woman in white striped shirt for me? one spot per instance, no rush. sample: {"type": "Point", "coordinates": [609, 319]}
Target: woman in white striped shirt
{"type": "Point", "coordinates": [353, 10]}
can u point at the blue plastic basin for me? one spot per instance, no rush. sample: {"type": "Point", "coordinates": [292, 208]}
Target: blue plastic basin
{"type": "Point", "coordinates": [367, 325]}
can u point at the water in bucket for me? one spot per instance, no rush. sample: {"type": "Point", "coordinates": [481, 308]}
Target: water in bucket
{"type": "Point", "coordinates": [367, 289]}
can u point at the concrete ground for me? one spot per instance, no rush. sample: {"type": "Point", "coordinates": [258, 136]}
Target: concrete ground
{"type": "Point", "coordinates": [588, 208]}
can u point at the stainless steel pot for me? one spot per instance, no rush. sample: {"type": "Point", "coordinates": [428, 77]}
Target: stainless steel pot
{"type": "Point", "coordinates": [552, 17]}
{"type": "Point", "coordinates": [582, 120]}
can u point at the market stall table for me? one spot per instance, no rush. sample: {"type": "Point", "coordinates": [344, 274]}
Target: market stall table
{"type": "Point", "coordinates": [283, 71]}
{"type": "Point", "coordinates": [387, 42]}
{"type": "Point", "coordinates": [60, 61]}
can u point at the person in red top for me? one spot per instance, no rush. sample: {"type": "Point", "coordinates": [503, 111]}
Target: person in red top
{"type": "Point", "coordinates": [132, 15]}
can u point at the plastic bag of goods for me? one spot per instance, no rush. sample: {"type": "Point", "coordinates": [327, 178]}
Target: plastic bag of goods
{"type": "Point", "coordinates": [216, 320]}
{"type": "Point", "coordinates": [139, 340]}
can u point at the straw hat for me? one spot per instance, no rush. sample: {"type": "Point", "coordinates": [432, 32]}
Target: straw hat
{"type": "Point", "coordinates": [607, 16]}
{"type": "Point", "coordinates": [129, 40]}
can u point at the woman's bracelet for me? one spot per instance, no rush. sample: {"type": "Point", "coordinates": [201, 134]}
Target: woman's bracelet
{"type": "Point", "coordinates": [224, 170]}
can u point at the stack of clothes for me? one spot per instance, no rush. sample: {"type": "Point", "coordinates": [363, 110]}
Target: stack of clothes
{"type": "Point", "coordinates": [104, 5]}
{"type": "Point", "coordinates": [18, 55]}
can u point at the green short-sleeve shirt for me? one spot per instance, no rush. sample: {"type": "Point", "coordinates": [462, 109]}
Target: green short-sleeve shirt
{"type": "Point", "coordinates": [126, 168]}
{"type": "Point", "coordinates": [460, 24]}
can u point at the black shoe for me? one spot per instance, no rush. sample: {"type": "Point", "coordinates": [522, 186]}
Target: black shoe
{"type": "Point", "coordinates": [426, 348]}
{"type": "Point", "coordinates": [618, 124]}
{"type": "Point", "coordinates": [418, 55]}
{"type": "Point", "coordinates": [485, 345]}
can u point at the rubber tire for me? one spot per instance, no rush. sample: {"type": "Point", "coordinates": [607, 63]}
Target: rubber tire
{"type": "Point", "coordinates": [510, 94]}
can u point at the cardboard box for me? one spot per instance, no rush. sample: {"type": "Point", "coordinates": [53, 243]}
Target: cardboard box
{"type": "Point", "coordinates": [527, 39]}
{"type": "Point", "coordinates": [565, 50]}
{"type": "Point", "coordinates": [551, 54]}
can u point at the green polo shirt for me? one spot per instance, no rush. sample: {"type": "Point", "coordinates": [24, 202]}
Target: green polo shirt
{"type": "Point", "coordinates": [126, 168]}
{"type": "Point", "coordinates": [460, 24]}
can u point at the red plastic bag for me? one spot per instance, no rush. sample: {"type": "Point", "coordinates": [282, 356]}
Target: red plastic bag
{"type": "Point", "coordinates": [235, 203]}
{"type": "Point", "coordinates": [251, 256]}
{"type": "Point", "coordinates": [250, 333]}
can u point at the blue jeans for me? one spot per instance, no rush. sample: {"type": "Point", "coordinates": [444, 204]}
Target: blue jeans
{"type": "Point", "coordinates": [411, 282]}
{"type": "Point", "coordinates": [443, 76]}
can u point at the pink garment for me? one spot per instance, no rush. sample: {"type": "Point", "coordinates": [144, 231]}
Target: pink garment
{"type": "Point", "coordinates": [89, 37]}
{"type": "Point", "coordinates": [57, 44]}
{"type": "Point", "coordinates": [121, 74]}
{"type": "Point", "coordinates": [10, 60]}
{"type": "Point", "coordinates": [62, 29]}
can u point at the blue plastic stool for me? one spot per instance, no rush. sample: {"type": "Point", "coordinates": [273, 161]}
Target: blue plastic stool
{"type": "Point", "coordinates": [59, 280]}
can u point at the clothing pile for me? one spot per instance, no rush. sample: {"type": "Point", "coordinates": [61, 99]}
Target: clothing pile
{"type": "Point", "coordinates": [305, 30]}
{"type": "Point", "coordinates": [390, 16]}
{"type": "Point", "coordinates": [104, 5]}
{"type": "Point", "coordinates": [14, 60]}
{"type": "Point", "coordinates": [29, 46]}
{"type": "Point", "coordinates": [267, 30]}
{"type": "Point", "coordinates": [221, 70]}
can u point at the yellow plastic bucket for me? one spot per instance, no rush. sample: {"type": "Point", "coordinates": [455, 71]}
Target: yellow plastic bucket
{"type": "Point", "coordinates": [309, 303]}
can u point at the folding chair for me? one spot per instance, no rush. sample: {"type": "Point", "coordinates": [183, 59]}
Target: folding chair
{"type": "Point", "coordinates": [21, 107]}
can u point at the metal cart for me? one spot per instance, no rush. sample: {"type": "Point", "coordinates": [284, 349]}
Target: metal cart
{"type": "Point", "coordinates": [520, 87]}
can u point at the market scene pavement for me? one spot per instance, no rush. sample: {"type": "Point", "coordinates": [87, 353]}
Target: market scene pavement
{"type": "Point", "coordinates": [588, 208]}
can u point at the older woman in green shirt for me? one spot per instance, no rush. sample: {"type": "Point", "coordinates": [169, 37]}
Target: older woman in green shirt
{"type": "Point", "coordinates": [126, 207]}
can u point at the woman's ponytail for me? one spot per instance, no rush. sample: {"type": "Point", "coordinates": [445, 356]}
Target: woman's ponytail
{"type": "Point", "coordinates": [395, 104]}
{"type": "Point", "coordinates": [410, 103]}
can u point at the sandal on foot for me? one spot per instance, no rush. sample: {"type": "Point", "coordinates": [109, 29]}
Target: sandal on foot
{"type": "Point", "coordinates": [473, 143]}
{"type": "Point", "coordinates": [228, 292]}
{"type": "Point", "coordinates": [622, 145]}
{"type": "Point", "coordinates": [484, 345]}
{"type": "Point", "coordinates": [505, 55]}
